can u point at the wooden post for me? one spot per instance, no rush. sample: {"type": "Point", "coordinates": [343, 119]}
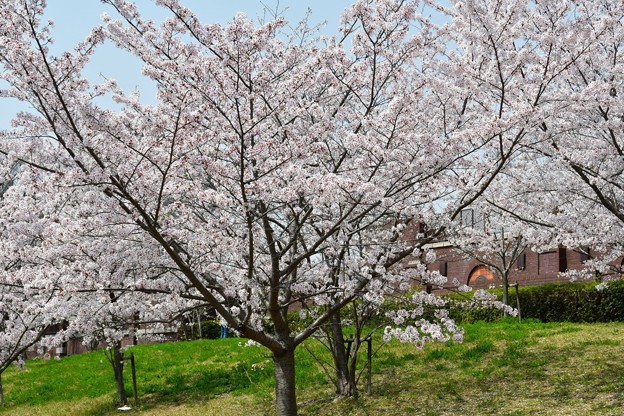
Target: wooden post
{"type": "Point", "coordinates": [134, 382]}
{"type": "Point", "coordinates": [369, 384]}
{"type": "Point", "coordinates": [349, 341]}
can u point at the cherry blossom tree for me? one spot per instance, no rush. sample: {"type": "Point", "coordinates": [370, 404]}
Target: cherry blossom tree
{"type": "Point", "coordinates": [568, 179]}
{"type": "Point", "coordinates": [110, 317]}
{"type": "Point", "coordinates": [54, 286]}
{"type": "Point", "coordinates": [412, 319]}
{"type": "Point", "coordinates": [585, 140]}
{"type": "Point", "coordinates": [508, 60]}
{"type": "Point", "coordinates": [495, 240]}
{"type": "Point", "coordinates": [274, 170]}
{"type": "Point", "coordinates": [261, 158]}
{"type": "Point", "coordinates": [291, 176]}
{"type": "Point", "coordinates": [27, 311]}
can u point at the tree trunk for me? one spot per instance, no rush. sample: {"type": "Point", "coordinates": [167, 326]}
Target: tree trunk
{"type": "Point", "coordinates": [505, 290]}
{"type": "Point", "coordinates": [199, 328]}
{"type": "Point", "coordinates": [345, 380]}
{"type": "Point", "coordinates": [285, 395]}
{"type": "Point", "coordinates": [1, 392]}
{"type": "Point", "coordinates": [352, 390]}
{"type": "Point", "coordinates": [118, 367]}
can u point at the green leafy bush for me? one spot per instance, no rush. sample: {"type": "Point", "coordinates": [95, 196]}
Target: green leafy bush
{"type": "Point", "coordinates": [572, 302]}
{"type": "Point", "coordinates": [567, 302]}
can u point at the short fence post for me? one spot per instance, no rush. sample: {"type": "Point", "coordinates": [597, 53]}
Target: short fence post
{"type": "Point", "coordinates": [349, 342]}
{"type": "Point", "coordinates": [134, 382]}
{"type": "Point", "coordinates": [133, 369]}
{"type": "Point", "coordinates": [369, 385]}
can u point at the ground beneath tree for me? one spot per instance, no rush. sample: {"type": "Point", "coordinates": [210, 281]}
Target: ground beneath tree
{"type": "Point", "coordinates": [500, 369]}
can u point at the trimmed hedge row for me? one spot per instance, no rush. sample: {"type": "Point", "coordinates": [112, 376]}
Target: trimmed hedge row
{"type": "Point", "coordinates": [567, 302]}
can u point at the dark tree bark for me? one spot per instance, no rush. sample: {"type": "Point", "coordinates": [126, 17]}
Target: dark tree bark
{"type": "Point", "coordinates": [285, 397]}
{"type": "Point", "coordinates": [339, 355]}
{"type": "Point", "coordinates": [505, 282]}
{"type": "Point", "coordinates": [115, 357]}
{"type": "Point", "coordinates": [346, 385]}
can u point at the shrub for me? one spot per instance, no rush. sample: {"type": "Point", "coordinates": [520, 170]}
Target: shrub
{"type": "Point", "coordinates": [566, 302]}
{"type": "Point", "coordinates": [572, 302]}
{"type": "Point", "coordinates": [211, 329]}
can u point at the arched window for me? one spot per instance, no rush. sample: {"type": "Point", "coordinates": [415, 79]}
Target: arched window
{"type": "Point", "coordinates": [482, 278]}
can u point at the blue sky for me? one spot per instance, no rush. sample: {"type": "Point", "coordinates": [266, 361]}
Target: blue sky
{"type": "Point", "coordinates": [74, 19]}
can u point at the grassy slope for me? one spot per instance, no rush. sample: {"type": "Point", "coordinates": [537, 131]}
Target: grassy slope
{"type": "Point", "coordinates": [503, 368]}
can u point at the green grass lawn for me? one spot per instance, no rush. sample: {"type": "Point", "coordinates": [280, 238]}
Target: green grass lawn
{"type": "Point", "coordinates": [501, 368]}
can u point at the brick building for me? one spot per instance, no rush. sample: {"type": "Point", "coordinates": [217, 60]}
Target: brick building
{"type": "Point", "coordinates": [531, 268]}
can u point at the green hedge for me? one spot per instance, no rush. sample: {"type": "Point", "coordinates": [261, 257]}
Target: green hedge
{"type": "Point", "coordinates": [572, 302]}
{"type": "Point", "coordinates": [568, 302]}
